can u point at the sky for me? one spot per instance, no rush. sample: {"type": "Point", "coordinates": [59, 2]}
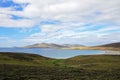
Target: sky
{"type": "Point", "coordinates": [86, 22]}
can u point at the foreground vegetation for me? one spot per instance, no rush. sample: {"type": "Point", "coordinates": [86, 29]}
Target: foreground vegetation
{"type": "Point", "coordinates": [20, 66]}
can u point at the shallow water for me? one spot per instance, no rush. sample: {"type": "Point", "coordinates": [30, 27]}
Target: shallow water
{"type": "Point", "coordinates": [53, 53]}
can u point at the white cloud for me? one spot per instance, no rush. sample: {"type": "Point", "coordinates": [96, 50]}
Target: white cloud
{"type": "Point", "coordinates": [68, 10]}
{"type": "Point", "coordinates": [16, 23]}
{"type": "Point", "coordinates": [53, 35]}
{"type": "Point", "coordinates": [73, 16]}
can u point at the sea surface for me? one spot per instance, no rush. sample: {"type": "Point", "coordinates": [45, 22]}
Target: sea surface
{"type": "Point", "coordinates": [53, 53]}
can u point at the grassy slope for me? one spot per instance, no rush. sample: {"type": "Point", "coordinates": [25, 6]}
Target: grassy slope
{"type": "Point", "coordinates": [15, 66]}
{"type": "Point", "coordinates": [22, 59]}
{"type": "Point", "coordinates": [95, 61]}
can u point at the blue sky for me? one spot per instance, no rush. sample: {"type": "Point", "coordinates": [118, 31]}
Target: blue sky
{"type": "Point", "coordinates": [86, 22]}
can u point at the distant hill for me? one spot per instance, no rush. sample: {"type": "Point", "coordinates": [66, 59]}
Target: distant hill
{"type": "Point", "coordinates": [72, 45]}
{"type": "Point", "coordinates": [51, 45]}
{"type": "Point", "coordinates": [116, 45]}
{"type": "Point", "coordinates": [43, 45]}
{"type": "Point", "coordinates": [110, 46]}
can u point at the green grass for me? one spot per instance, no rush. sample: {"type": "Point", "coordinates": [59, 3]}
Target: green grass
{"type": "Point", "coordinates": [95, 61]}
{"type": "Point", "coordinates": [21, 66]}
{"type": "Point", "coordinates": [15, 72]}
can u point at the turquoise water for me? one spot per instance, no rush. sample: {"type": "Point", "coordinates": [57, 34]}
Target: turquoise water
{"type": "Point", "coordinates": [53, 53]}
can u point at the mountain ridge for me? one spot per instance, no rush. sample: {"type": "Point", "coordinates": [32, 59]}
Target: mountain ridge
{"type": "Point", "coordinates": [109, 46]}
{"type": "Point", "coordinates": [51, 45]}
{"type": "Point", "coordinates": [117, 44]}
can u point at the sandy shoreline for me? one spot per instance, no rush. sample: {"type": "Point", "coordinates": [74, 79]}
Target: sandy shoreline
{"type": "Point", "coordinates": [112, 52]}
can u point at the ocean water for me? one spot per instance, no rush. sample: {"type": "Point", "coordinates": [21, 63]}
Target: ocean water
{"type": "Point", "coordinates": [53, 53]}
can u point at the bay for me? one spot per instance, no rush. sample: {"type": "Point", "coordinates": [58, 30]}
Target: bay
{"type": "Point", "coordinates": [53, 53]}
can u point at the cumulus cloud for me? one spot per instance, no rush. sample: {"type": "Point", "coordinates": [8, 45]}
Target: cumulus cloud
{"type": "Point", "coordinates": [62, 36]}
{"type": "Point", "coordinates": [69, 10]}
{"type": "Point", "coordinates": [66, 9]}
{"type": "Point", "coordinates": [80, 20]}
